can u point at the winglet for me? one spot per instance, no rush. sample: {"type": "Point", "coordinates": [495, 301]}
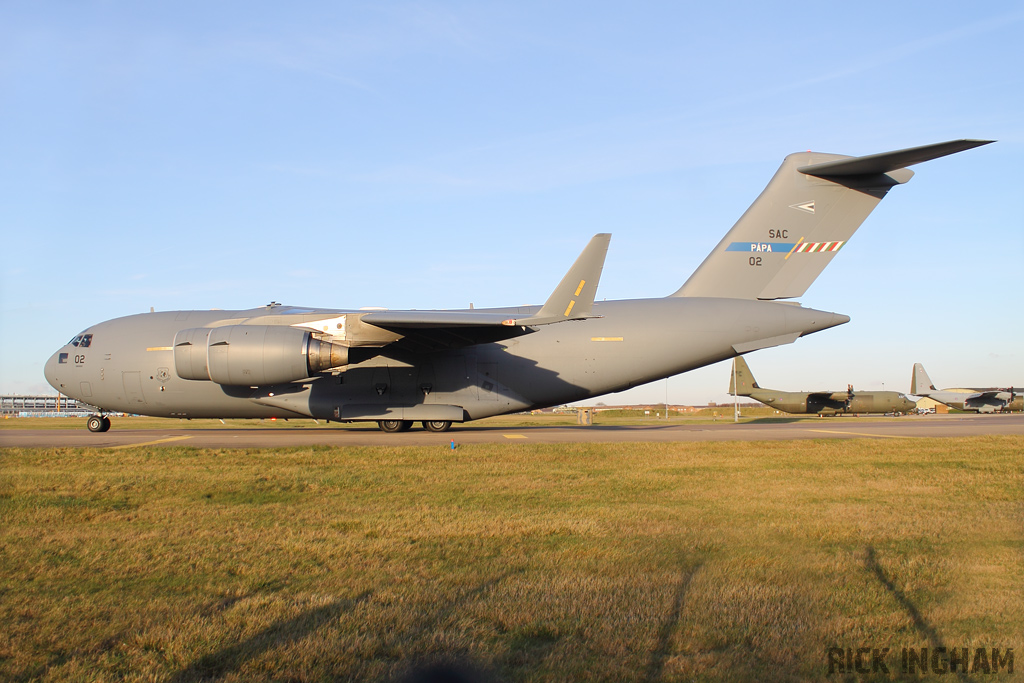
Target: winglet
{"type": "Point", "coordinates": [573, 298]}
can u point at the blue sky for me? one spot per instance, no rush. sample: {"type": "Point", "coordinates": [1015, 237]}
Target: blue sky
{"type": "Point", "coordinates": [428, 155]}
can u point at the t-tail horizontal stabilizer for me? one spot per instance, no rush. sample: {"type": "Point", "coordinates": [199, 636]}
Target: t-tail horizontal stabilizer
{"type": "Point", "coordinates": [810, 209]}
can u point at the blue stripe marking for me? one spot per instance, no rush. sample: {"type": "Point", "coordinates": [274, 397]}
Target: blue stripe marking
{"type": "Point", "coordinates": [762, 247]}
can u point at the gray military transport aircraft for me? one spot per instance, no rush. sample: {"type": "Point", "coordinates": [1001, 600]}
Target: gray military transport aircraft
{"type": "Point", "coordinates": [817, 402]}
{"type": "Point", "coordinates": [440, 367]}
{"type": "Point", "coordinates": [992, 400]}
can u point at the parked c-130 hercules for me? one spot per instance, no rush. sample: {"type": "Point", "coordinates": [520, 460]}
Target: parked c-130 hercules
{"type": "Point", "coordinates": [440, 367]}
{"type": "Point", "coordinates": [742, 383]}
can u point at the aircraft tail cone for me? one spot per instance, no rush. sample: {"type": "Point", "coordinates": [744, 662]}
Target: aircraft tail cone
{"type": "Point", "coordinates": [837, 319]}
{"type": "Point", "coordinates": [809, 320]}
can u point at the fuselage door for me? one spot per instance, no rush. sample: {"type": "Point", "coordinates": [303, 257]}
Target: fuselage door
{"type": "Point", "coordinates": [133, 387]}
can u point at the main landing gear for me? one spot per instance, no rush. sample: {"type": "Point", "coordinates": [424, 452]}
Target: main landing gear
{"type": "Point", "coordinates": [98, 423]}
{"type": "Point", "coordinates": [392, 426]}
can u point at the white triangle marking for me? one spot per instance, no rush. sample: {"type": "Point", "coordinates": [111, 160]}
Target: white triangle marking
{"type": "Point", "coordinates": [806, 206]}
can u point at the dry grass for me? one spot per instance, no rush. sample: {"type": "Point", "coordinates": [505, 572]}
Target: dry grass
{"type": "Point", "coordinates": [711, 561]}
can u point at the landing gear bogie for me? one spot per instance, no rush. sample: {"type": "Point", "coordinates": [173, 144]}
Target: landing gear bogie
{"type": "Point", "coordinates": [437, 425]}
{"type": "Point", "coordinates": [394, 426]}
{"type": "Point", "coordinates": [98, 423]}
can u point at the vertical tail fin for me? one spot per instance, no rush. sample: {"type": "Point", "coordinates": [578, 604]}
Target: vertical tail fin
{"type": "Point", "coordinates": [920, 383]}
{"type": "Point", "coordinates": [742, 377]}
{"type": "Point", "coordinates": [811, 207]}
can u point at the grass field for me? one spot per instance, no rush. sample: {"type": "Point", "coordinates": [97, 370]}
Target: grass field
{"type": "Point", "coordinates": [637, 562]}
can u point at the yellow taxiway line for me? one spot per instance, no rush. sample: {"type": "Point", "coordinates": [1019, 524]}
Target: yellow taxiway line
{"type": "Point", "coordinates": [151, 443]}
{"type": "Point", "coordinates": [880, 436]}
{"type": "Point", "coordinates": [514, 436]}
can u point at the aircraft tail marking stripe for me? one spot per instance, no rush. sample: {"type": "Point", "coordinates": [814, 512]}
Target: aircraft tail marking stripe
{"type": "Point", "coordinates": [160, 348]}
{"type": "Point", "coordinates": [818, 247]}
{"type": "Point", "coordinates": [580, 288]}
{"type": "Point", "coordinates": [795, 246]}
{"type": "Point", "coordinates": [604, 339]}
{"type": "Point", "coordinates": [572, 302]}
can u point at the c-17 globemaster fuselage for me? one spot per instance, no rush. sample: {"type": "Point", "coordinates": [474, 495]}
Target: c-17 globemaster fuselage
{"type": "Point", "coordinates": [439, 367]}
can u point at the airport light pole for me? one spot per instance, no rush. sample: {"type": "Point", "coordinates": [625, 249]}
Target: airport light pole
{"type": "Point", "coordinates": [735, 394]}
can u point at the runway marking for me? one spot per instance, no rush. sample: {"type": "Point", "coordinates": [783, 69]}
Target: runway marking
{"type": "Point", "coordinates": [151, 443]}
{"type": "Point", "coordinates": [880, 436]}
{"type": "Point", "coordinates": [514, 436]}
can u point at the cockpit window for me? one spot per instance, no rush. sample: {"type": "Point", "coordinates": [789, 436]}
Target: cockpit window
{"type": "Point", "coordinates": [82, 341]}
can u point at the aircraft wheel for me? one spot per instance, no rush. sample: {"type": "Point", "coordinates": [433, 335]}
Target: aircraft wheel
{"type": "Point", "coordinates": [95, 424]}
{"type": "Point", "coordinates": [392, 426]}
{"type": "Point", "coordinates": [437, 425]}
{"type": "Point", "coordinates": [106, 423]}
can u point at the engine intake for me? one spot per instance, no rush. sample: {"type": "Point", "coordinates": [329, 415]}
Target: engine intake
{"type": "Point", "coordinates": [253, 355]}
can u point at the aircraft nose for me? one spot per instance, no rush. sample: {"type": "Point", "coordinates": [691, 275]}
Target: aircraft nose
{"type": "Point", "coordinates": [51, 373]}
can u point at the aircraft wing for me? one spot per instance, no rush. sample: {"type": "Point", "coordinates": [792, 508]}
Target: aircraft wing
{"type": "Point", "coordinates": [409, 320]}
{"type": "Point", "coordinates": [829, 397]}
{"type": "Point", "coordinates": [997, 394]}
{"type": "Point", "coordinates": [424, 331]}
{"type": "Point", "coordinates": [572, 299]}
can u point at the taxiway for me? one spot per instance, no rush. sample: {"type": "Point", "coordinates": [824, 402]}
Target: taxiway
{"type": "Point", "coordinates": [475, 433]}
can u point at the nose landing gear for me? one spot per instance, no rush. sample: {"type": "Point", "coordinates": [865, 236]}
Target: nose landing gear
{"type": "Point", "coordinates": [98, 423]}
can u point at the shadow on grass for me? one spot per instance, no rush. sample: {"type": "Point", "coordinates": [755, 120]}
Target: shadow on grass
{"type": "Point", "coordinates": [664, 647]}
{"type": "Point", "coordinates": [56, 660]}
{"type": "Point", "coordinates": [218, 664]}
{"type": "Point", "coordinates": [920, 623]}
{"type": "Point", "coordinates": [452, 666]}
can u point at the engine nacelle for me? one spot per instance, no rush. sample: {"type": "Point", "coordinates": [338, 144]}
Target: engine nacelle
{"type": "Point", "coordinates": [253, 355]}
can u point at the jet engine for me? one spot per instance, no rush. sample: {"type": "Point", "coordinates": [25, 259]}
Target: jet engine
{"type": "Point", "coordinates": [253, 355]}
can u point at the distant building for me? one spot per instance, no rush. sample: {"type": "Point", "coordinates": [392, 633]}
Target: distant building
{"type": "Point", "coordinates": [43, 406]}
{"type": "Point", "coordinates": [929, 403]}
